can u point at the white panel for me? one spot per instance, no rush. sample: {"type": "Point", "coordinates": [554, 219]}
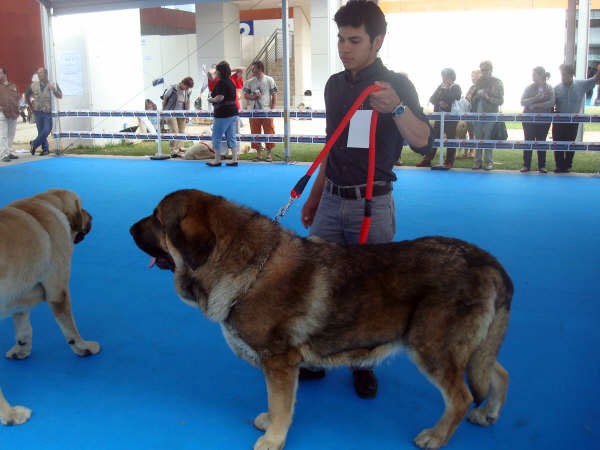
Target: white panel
{"type": "Point", "coordinates": [537, 41]}
{"type": "Point", "coordinates": [319, 8]}
{"type": "Point", "coordinates": [320, 75]}
{"type": "Point", "coordinates": [319, 30]}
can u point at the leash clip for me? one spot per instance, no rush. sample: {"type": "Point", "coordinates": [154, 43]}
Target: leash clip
{"type": "Point", "coordinates": [283, 210]}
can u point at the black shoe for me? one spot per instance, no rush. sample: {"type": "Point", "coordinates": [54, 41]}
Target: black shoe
{"type": "Point", "coordinates": [524, 169]}
{"type": "Point", "coordinates": [543, 170]}
{"type": "Point", "coordinates": [310, 374]}
{"type": "Point", "coordinates": [11, 156]}
{"type": "Point", "coordinates": [31, 148]}
{"type": "Point", "coordinates": [365, 383]}
{"type": "Point", "coordinates": [45, 152]}
{"type": "Point", "coordinates": [212, 164]}
{"type": "Point", "coordinates": [231, 164]}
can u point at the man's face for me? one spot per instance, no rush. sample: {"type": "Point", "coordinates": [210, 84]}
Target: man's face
{"type": "Point", "coordinates": [256, 71]}
{"type": "Point", "coordinates": [566, 77]}
{"type": "Point", "coordinates": [486, 72]}
{"type": "Point", "coordinates": [356, 49]}
{"type": "Point", "coordinates": [42, 75]}
{"type": "Point", "coordinates": [2, 76]}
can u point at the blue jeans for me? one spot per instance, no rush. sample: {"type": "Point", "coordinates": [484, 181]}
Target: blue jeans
{"type": "Point", "coordinates": [224, 126]}
{"type": "Point", "coordinates": [338, 220]}
{"type": "Point", "coordinates": [43, 122]}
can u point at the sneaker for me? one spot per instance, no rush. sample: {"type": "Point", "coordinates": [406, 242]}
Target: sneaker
{"type": "Point", "coordinates": [524, 169]}
{"type": "Point", "coordinates": [489, 166]}
{"type": "Point", "coordinates": [31, 148]}
{"type": "Point", "coordinates": [424, 163]}
{"type": "Point", "coordinates": [13, 156]}
{"type": "Point", "coordinates": [476, 167]}
{"type": "Point", "coordinates": [268, 159]}
{"type": "Point", "coordinates": [365, 383]}
{"type": "Point", "coordinates": [6, 159]}
{"type": "Point", "coordinates": [45, 152]}
{"type": "Point", "coordinates": [543, 170]}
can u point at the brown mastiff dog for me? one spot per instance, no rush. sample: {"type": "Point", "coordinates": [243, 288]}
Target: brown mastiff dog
{"type": "Point", "coordinates": [37, 235]}
{"type": "Point", "coordinates": [284, 301]}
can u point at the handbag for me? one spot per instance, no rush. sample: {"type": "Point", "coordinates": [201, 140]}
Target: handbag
{"type": "Point", "coordinates": [460, 106]}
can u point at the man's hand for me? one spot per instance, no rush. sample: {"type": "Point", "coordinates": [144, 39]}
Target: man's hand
{"type": "Point", "coordinates": [308, 212]}
{"type": "Point", "coordinates": [385, 100]}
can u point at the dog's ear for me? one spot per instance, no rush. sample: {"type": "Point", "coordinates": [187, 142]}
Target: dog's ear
{"type": "Point", "coordinates": [188, 230]}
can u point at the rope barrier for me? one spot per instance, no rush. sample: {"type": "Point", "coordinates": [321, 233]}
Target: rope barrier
{"type": "Point", "coordinates": [321, 114]}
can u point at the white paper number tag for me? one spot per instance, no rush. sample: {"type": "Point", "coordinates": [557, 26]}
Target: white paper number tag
{"type": "Point", "coordinates": [360, 127]}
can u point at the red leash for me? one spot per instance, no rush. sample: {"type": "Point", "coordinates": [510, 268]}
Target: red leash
{"type": "Point", "coordinates": [301, 184]}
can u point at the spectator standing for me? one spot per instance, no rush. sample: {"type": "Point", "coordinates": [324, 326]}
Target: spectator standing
{"type": "Point", "coordinates": [224, 100]}
{"type": "Point", "coordinates": [39, 97]}
{"type": "Point", "coordinates": [537, 98]}
{"type": "Point", "coordinates": [237, 77]}
{"type": "Point", "coordinates": [335, 208]}
{"type": "Point", "coordinates": [475, 75]}
{"type": "Point", "coordinates": [488, 96]}
{"type": "Point", "coordinates": [443, 97]}
{"type": "Point", "coordinates": [9, 113]}
{"type": "Point", "coordinates": [262, 93]}
{"type": "Point", "coordinates": [177, 98]}
{"type": "Point", "coordinates": [569, 98]}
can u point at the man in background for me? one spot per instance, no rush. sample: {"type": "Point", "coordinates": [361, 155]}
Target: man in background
{"type": "Point", "coordinates": [9, 113]}
{"type": "Point", "coordinates": [39, 97]}
{"type": "Point", "coordinates": [177, 98]}
{"type": "Point", "coordinates": [261, 92]}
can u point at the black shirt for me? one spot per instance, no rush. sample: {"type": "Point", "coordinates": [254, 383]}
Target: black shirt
{"type": "Point", "coordinates": [227, 107]}
{"type": "Point", "coordinates": [348, 166]}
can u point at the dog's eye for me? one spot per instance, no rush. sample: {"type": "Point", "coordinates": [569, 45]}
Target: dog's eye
{"type": "Point", "coordinates": [156, 218]}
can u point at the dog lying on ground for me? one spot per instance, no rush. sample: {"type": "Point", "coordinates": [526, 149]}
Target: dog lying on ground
{"type": "Point", "coordinates": [283, 301]}
{"type": "Point", "coordinates": [37, 235]}
{"type": "Point", "coordinates": [199, 151]}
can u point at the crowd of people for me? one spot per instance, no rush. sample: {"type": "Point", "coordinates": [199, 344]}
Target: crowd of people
{"type": "Point", "coordinates": [226, 86]}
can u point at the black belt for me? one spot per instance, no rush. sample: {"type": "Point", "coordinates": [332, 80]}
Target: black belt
{"type": "Point", "coordinates": [355, 192]}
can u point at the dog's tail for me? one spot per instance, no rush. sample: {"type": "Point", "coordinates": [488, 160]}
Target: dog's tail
{"type": "Point", "coordinates": [482, 360]}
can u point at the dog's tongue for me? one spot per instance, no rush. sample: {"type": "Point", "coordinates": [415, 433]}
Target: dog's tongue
{"type": "Point", "coordinates": [152, 262]}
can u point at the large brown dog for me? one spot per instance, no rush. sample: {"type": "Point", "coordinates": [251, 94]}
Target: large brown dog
{"type": "Point", "coordinates": [285, 301]}
{"type": "Point", "coordinates": [36, 244]}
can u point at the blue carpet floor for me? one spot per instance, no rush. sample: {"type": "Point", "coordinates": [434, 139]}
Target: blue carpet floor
{"type": "Point", "coordinates": [165, 379]}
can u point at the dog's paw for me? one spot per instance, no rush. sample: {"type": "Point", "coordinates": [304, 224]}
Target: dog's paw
{"type": "Point", "coordinates": [479, 416]}
{"type": "Point", "coordinates": [262, 421]}
{"type": "Point", "coordinates": [267, 444]}
{"type": "Point", "coordinates": [19, 351]}
{"type": "Point", "coordinates": [85, 348]}
{"type": "Point", "coordinates": [16, 415]}
{"type": "Point", "coordinates": [429, 438]}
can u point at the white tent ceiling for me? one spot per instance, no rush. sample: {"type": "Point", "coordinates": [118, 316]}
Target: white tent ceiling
{"type": "Point", "coordinates": [61, 7]}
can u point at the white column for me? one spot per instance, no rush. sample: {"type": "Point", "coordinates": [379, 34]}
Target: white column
{"type": "Point", "coordinates": [217, 34]}
{"type": "Point", "coordinates": [325, 61]}
{"type": "Point", "coordinates": [583, 32]}
{"type": "Point", "coordinates": [302, 55]}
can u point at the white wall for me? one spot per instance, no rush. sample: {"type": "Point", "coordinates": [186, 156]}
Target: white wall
{"type": "Point", "coordinates": [172, 58]}
{"type": "Point", "coordinates": [302, 56]}
{"type": "Point", "coordinates": [422, 44]}
{"type": "Point", "coordinates": [111, 66]}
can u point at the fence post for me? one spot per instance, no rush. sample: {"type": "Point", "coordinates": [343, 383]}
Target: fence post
{"type": "Point", "coordinates": [441, 166]}
{"type": "Point", "coordinates": [159, 155]}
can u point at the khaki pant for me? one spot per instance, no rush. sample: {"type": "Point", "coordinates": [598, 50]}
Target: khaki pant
{"type": "Point", "coordinates": [7, 134]}
{"type": "Point", "coordinates": [176, 125]}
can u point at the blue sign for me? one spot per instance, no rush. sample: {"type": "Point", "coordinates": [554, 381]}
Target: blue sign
{"type": "Point", "coordinates": [247, 27]}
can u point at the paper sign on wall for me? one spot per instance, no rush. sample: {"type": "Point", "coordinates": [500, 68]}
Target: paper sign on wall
{"type": "Point", "coordinates": [70, 73]}
{"type": "Point", "coordinates": [360, 127]}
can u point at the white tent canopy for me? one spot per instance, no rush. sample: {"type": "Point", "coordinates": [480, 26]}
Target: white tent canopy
{"type": "Point", "coordinates": [61, 7]}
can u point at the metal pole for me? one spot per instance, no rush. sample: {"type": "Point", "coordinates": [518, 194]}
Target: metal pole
{"type": "Point", "coordinates": [286, 81]}
{"type": "Point", "coordinates": [441, 165]}
{"type": "Point", "coordinates": [50, 62]}
{"type": "Point", "coordinates": [571, 21]}
{"type": "Point", "coordinates": [159, 155]}
{"type": "Point", "coordinates": [583, 32]}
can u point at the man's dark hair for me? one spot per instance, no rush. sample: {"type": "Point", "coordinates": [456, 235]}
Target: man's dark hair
{"type": "Point", "coordinates": [224, 69]}
{"type": "Point", "coordinates": [188, 81]}
{"type": "Point", "coordinates": [361, 12]}
{"type": "Point", "coordinates": [4, 71]}
{"type": "Point", "coordinates": [259, 65]}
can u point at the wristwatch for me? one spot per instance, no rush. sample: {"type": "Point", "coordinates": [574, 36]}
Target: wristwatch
{"type": "Point", "coordinates": [399, 110]}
